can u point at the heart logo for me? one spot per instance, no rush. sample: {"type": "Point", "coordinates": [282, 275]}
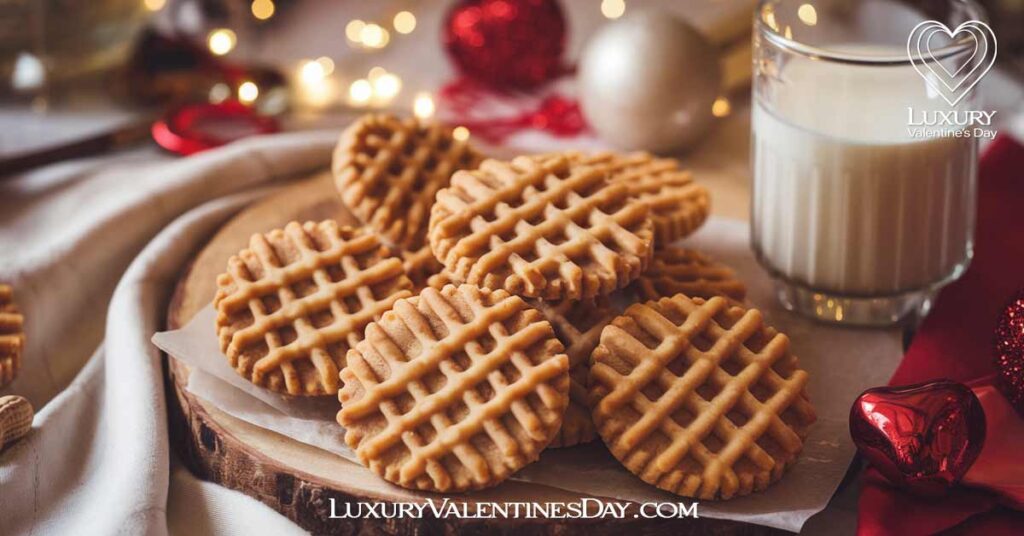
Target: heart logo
{"type": "Point", "coordinates": [954, 70]}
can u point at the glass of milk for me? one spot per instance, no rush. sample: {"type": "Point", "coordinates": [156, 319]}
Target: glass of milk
{"type": "Point", "coordinates": [859, 213]}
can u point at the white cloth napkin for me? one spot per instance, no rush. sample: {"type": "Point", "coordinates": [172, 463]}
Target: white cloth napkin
{"type": "Point", "coordinates": [98, 460]}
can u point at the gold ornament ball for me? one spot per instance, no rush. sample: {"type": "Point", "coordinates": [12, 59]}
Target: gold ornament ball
{"type": "Point", "coordinates": [648, 81]}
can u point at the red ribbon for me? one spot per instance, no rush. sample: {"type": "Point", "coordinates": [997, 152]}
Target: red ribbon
{"type": "Point", "coordinates": [468, 101]}
{"type": "Point", "coordinates": [193, 128]}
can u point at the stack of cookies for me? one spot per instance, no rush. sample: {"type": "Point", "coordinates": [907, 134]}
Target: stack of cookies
{"type": "Point", "coordinates": [488, 310]}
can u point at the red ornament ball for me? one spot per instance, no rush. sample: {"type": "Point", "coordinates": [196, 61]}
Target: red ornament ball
{"type": "Point", "coordinates": [923, 437]}
{"type": "Point", "coordinates": [506, 44]}
{"type": "Point", "coordinates": [1009, 352]}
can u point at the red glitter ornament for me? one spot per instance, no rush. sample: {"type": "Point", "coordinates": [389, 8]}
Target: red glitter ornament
{"type": "Point", "coordinates": [1009, 352]}
{"type": "Point", "coordinates": [921, 437]}
{"type": "Point", "coordinates": [507, 44]}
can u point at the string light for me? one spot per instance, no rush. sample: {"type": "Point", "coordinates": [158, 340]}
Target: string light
{"type": "Point", "coordinates": [354, 30]}
{"type": "Point", "coordinates": [404, 22]}
{"type": "Point", "coordinates": [423, 105]}
{"type": "Point", "coordinates": [460, 133]}
{"type": "Point", "coordinates": [221, 41]}
{"type": "Point", "coordinates": [613, 9]}
{"type": "Point", "coordinates": [248, 92]}
{"type": "Point", "coordinates": [154, 5]}
{"type": "Point", "coordinates": [262, 9]}
{"type": "Point", "coordinates": [360, 92]}
{"type": "Point", "coordinates": [721, 107]}
{"type": "Point", "coordinates": [808, 15]}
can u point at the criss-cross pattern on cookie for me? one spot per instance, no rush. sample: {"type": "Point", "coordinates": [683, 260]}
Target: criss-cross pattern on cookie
{"type": "Point", "coordinates": [388, 171]}
{"type": "Point", "coordinates": [699, 398]}
{"type": "Point", "coordinates": [578, 327]}
{"type": "Point", "coordinates": [544, 229]}
{"type": "Point", "coordinates": [422, 267]}
{"type": "Point", "coordinates": [292, 304]}
{"type": "Point", "coordinates": [675, 270]}
{"type": "Point", "coordinates": [679, 205]}
{"type": "Point", "coordinates": [454, 389]}
{"type": "Point", "coordinates": [12, 336]}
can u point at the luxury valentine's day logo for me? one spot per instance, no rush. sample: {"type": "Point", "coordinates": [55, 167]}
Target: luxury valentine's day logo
{"type": "Point", "coordinates": [951, 62]}
{"type": "Point", "coordinates": [959, 61]}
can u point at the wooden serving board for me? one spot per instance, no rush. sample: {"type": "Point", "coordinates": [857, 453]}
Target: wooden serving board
{"type": "Point", "coordinates": [299, 480]}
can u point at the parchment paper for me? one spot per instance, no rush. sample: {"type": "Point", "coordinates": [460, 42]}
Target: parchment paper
{"type": "Point", "coordinates": [841, 362]}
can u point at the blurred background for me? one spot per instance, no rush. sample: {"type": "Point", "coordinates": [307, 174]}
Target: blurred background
{"type": "Point", "coordinates": [79, 77]}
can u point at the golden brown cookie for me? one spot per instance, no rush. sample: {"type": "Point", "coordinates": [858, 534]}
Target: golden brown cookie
{"type": "Point", "coordinates": [699, 398]}
{"type": "Point", "coordinates": [12, 336]}
{"type": "Point", "coordinates": [675, 270]}
{"type": "Point", "coordinates": [679, 205]}
{"type": "Point", "coordinates": [292, 304]}
{"type": "Point", "coordinates": [550, 229]}
{"type": "Point", "coordinates": [420, 266]}
{"type": "Point", "coordinates": [388, 170]}
{"type": "Point", "coordinates": [578, 326]}
{"type": "Point", "coordinates": [454, 390]}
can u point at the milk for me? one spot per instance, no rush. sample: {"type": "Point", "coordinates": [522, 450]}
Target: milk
{"type": "Point", "coordinates": [846, 200]}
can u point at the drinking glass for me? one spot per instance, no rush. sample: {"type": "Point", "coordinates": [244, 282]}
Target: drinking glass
{"type": "Point", "coordinates": [860, 209]}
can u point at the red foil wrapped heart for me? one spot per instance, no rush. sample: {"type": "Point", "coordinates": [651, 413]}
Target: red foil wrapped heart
{"type": "Point", "coordinates": [922, 437]}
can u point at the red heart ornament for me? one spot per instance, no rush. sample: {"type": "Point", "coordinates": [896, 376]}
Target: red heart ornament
{"type": "Point", "coordinates": [922, 437]}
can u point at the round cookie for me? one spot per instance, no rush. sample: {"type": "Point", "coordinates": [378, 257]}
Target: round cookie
{"type": "Point", "coordinates": [388, 171]}
{"type": "Point", "coordinates": [292, 304]}
{"type": "Point", "coordinates": [454, 390]}
{"type": "Point", "coordinates": [12, 336]}
{"type": "Point", "coordinates": [675, 270]}
{"type": "Point", "coordinates": [550, 229]}
{"type": "Point", "coordinates": [578, 326]}
{"type": "Point", "coordinates": [698, 397]}
{"type": "Point", "coordinates": [679, 205]}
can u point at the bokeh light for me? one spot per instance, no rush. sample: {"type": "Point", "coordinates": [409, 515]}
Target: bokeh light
{"type": "Point", "coordinates": [613, 9]}
{"type": "Point", "coordinates": [354, 30]}
{"type": "Point", "coordinates": [808, 15]}
{"type": "Point", "coordinates": [248, 92]}
{"type": "Point", "coordinates": [262, 9]}
{"type": "Point", "coordinates": [721, 107]}
{"type": "Point", "coordinates": [423, 105]}
{"type": "Point", "coordinates": [221, 41]}
{"type": "Point", "coordinates": [360, 92]}
{"type": "Point", "coordinates": [404, 22]}
{"type": "Point", "coordinates": [327, 64]}
{"type": "Point", "coordinates": [386, 86]}
{"type": "Point", "coordinates": [219, 93]}
{"type": "Point", "coordinates": [374, 36]}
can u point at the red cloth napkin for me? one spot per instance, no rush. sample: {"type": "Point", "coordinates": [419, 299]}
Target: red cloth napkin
{"type": "Point", "coordinates": [955, 342]}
